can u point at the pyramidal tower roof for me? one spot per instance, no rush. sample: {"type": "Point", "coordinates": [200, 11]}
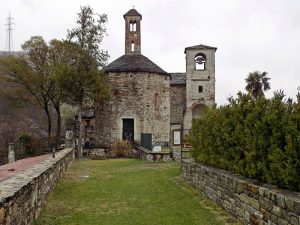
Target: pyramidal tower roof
{"type": "Point", "coordinates": [199, 47]}
{"type": "Point", "coordinates": [132, 12]}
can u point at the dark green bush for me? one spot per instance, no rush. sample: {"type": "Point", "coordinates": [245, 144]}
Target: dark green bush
{"type": "Point", "coordinates": [258, 139]}
{"type": "Point", "coordinates": [3, 156]}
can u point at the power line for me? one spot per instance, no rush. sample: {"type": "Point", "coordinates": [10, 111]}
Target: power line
{"type": "Point", "coordinates": [9, 39]}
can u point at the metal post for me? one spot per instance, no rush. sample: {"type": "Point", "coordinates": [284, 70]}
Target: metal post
{"type": "Point", "coordinates": [53, 152]}
{"type": "Point", "coordinates": [11, 153]}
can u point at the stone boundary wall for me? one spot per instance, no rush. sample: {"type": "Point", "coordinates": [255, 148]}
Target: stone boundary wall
{"type": "Point", "coordinates": [149, 156]}
{"type": "Point", "coordinates": [23, 195]}
{"type": "Point", "coordinates": [249, 200]}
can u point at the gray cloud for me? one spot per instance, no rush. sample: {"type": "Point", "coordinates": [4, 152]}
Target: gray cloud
{"type": "Point", "coordinates": [250, 35]}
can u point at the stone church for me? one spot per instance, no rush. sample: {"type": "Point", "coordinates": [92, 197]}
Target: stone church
{"type": "Point", "coordinates": [147, 100]}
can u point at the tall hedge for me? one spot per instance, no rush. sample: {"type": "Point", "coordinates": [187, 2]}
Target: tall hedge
{"type": "Point", "coordinates": [256, 138]}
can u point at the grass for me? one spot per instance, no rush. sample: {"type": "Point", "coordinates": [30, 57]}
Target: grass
{"type": "Point", "coordinates": [127, 191]}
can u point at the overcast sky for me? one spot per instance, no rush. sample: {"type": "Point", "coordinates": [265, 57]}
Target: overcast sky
{"type": "Point", "coordinates": [250, 35]}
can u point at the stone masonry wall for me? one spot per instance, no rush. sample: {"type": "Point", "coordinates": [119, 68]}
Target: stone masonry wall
{"type": "Point", "coordinates": [196, 78]}
{"type": "Point", "coordinates": [144, 97]}
{"type": "Point", "coordinates": [149, 156]}
{"type": "Point", "coordinates": [178, 103]}
{"type": "Point", "coordinates": [250, 201]}
{"type": "Point", "coordinates": [23, 195]}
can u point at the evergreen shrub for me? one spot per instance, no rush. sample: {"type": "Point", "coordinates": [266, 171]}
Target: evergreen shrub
{"type": "Point", "coordinates": [255, 138]}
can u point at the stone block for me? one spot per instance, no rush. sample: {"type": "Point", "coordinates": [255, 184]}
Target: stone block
{"type": "Point", "coordinates": [276, 211]}
{"type": "Point", "coordinates": [282, 222]}
{"type": "Point", "coordinates": [239, 212]}
{"type": "Point", "coordinates": [261, 222]}
{"type": "Point", "coordinates": [265, 203]}
{"type": "Point", "coordinates": [241, 187]}
{"type": "Point", "coordinates": [267, 193]}
{"type": "Point", "coordinates": [261, 191]}
{"type": "Point", "coordinates": [249, 201]}
{"type": "Point", "coordinates": [297, 206]}
{"type": "Point", "coordinates": [157, 157]}
{"type": "Point", "coordinates": [274, 197]}
{"type": "Point", "coordinates": [274, 218]}
{"type": "Point", "coordinates": [226, 205]}
{"type": "Point", "coordinates": [254, 189]}
{"type": "Point", "coordinates": [281, 201]}
{"type": "Point", "coordinates": [253, 219]}
{"type": "Point", "coordinates": [259, 215]}
{"type": "Point", "coordinates": [290, 203]}
{"type": "Point", "coordinates": [219, 194]}
{"type": "Point", "coordinates": [2, 214]}
{"type": "Point", "coordinates": [247, 216]}
{"type": "Point", "coordinates": [149, 157]}
{"type": "Point", "coordinates": [266, 214]}
{"type": "Point", "coordinates": [294, 220]}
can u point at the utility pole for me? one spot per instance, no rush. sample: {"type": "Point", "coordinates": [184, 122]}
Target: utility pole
{"type": "Point", "coordinates": [9, 30]}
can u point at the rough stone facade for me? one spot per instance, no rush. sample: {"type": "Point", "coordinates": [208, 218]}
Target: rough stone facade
{"type": "Point", "coordinates": [178, 101]}
{"type": "Point", "coordinates": [252, 202]}
{"type": "Point", "coordinates": [23, 195]}
{"type": "Point", "coordinates": [144, 97]}
{"type": "Point", "coordinates": [150, 156]}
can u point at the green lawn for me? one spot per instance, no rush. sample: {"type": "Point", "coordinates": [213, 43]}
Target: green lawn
{"type": "Point", "coordinates": [127, 191]}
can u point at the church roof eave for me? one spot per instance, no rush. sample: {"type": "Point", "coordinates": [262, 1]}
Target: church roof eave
{"type": "Point", "coordinates": [134, 63]}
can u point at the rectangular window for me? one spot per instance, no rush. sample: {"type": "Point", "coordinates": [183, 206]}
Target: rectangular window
{"type": "Point", "coordinates": [176, 137]}
{"type": "Point", "coordinates": [200, 89]}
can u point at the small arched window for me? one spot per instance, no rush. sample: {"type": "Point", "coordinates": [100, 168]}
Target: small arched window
{"type": "Point", "coordinates": [132, 46]}
{"type": "Point", "coordinates": [132, 25]}
{"type": "Point", "coordinates": [200, 61]}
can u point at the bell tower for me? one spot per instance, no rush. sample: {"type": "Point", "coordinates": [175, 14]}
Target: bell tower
{"type": "Point", "coordinates": [132, 32]}
{"type": "Point", "coordinates": [200, 82]}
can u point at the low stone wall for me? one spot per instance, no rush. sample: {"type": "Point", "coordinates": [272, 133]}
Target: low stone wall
{"type": "Point", "coordinates": [249, 200]}
{"type": "Point", "coordinates": [147, 155]}
{"type": "Point", "coordinates": [23, 195]}
{"type": "Point", "coordinates": [137, 152]}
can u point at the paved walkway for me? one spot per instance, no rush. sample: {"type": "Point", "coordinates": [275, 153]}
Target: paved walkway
{"type": "Point", "coordinates": [20, 165]}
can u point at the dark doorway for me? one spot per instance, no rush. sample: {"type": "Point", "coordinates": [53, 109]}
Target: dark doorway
{"type": "Point", "coordinates": [128, 130]}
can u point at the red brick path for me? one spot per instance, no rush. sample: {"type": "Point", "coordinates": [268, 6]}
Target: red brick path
{"type": "Point", "coordinates": [20, 165]}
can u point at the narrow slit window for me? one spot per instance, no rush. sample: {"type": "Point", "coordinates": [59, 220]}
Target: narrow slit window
{"type": "Point", "coordinates": [132, 26]}
{"type": "Point", "coordinates": [200, 61]}
{"type": "Point", "coordinates": [200, 89]}
{"type": "Point", "coordinates": [156, 101]}
{"type": "Point", "coordinates": [132, 46]}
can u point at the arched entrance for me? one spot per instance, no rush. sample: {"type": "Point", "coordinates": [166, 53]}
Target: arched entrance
{"type": "Point", "coordinates": [198, 110]}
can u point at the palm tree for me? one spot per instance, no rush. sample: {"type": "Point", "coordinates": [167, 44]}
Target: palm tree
{"type": "Point", "coordinates": [257, 83]}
